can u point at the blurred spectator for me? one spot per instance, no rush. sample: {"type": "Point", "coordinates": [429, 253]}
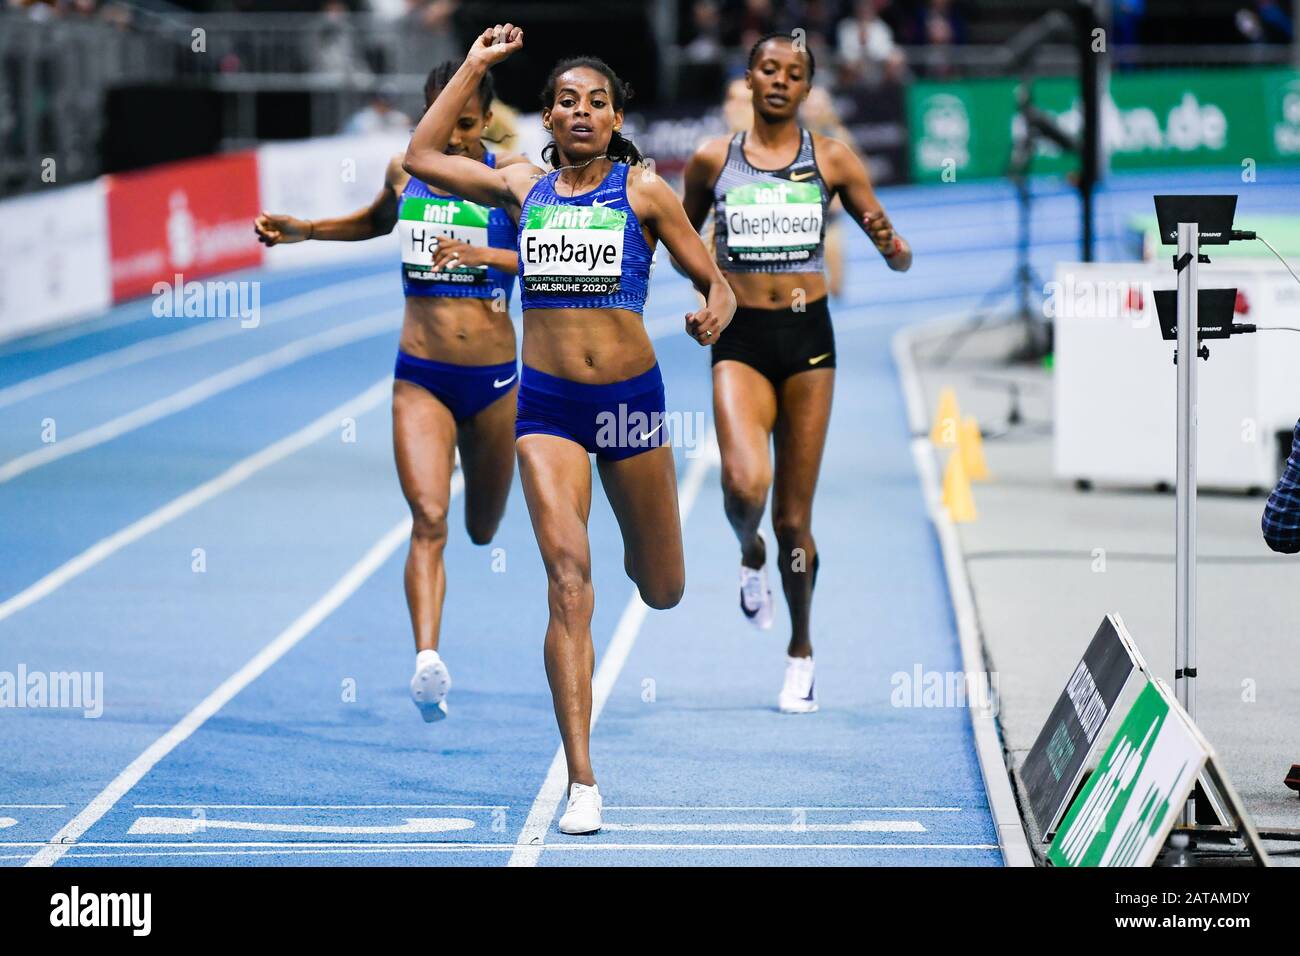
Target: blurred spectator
{"type": "Point", "coordinates": [756, 18]}
{"type": "Point", "coordinates": [336, 49]}
{"type": "Point", "coordinates": [706, 37]}
{"type": "Point", "coordinates": [816, 17]}
{"type": "Point", "coordinates": [940, 28]}
{"type": "Point", "coordinates": [1268, 22]}
{"type": "Point", "coordinates": [866, 44]}
{"type": "Point", "coordinates": [428, 35]}
{"type": "Point", "coordinates": [380, 115]}
{"type": "Point", "coordinates": [738, 106]}
{"type": "Point", "coordinates": [1126, 21]}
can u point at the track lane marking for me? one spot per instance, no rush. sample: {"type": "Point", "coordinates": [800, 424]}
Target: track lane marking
{"type": "Point", "coordinates": [532, 836]}
{"type": "Point", "coordinates": [202, 390]}
{"type": "Point", "coordinates": [188, 338]}
{"type": "Point", "coordinates": [183, 504]}
{"type": "Point", "coordinates": [344, 588]}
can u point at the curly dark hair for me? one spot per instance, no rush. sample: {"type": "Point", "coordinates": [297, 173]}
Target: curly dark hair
{"type": "Point", "coordinates": [441, 75]}
{"type": "Point", "coordinates": [620, 149]}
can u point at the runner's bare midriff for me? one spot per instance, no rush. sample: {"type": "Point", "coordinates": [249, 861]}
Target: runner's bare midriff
{"type": "Point", "coordinates": [775, 290]}
{"type": "Point", "coordinates": [591, 346]}
{"type": "Point", "coordinates": [457, 331]}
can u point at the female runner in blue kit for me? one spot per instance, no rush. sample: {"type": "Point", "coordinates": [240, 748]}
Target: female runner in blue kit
{"type": "Point", "coordinates": [587, 230]}
{"type": "Point", "coordinates": [455, 378]}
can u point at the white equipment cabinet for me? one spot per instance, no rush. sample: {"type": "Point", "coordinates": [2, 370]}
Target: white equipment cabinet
{"type": "Point", "coordinates": [1116, 383]}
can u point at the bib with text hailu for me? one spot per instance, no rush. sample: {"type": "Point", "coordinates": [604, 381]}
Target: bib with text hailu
{"type": "Point", "coordinates": [424, 221]}
{"type": "Point", "coordinates": [572, 249]}
{"type": "Point", "coordinates": [774, 221]}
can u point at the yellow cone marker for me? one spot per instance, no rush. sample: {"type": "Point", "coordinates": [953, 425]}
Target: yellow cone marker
{"type": "Point", "coordinates": [957, 496]}
{"type": "Point", "coordinates": [947, 420]}
{"type": "Point", "coordinates": [970, 445]}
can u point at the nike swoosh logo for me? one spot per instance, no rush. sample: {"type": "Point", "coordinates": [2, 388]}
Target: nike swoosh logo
{"type": "Point", "coordinates": [800, 177]}
{"type": "Point", "coordinates": [645, 436]}
{"type": "Point", "coordinates": [497, 384]}
{"type": "Point", "coordinates": [597, 202]}
{"type": "Point", "coordinates": [818, 358]}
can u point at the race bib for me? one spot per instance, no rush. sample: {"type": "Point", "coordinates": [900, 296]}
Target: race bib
{"type": "Point", "coordinates": [773, 221]}
{"type": "Point", "coordinates": [423, 221]}
{"type": "Point", "coordinates": [573, 250]}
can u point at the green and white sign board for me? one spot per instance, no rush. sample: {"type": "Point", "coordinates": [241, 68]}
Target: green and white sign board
{"type": "Point", "coordinates": [1126, 810]}
{"type": "Point", "coordinates": [1151, 119]}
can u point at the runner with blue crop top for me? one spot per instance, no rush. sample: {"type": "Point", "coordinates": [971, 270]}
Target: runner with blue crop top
{"type": "Point", "coordinates": [587, 231]}
{"type": "Point", "coordinates": [769, 189]}
{"type": "Point", "coordinates": [455, 376]}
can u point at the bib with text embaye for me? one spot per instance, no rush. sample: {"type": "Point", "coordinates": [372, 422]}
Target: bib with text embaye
{"type": "Point", "coordinates": [572, 249]}
{"type": "Point", "coordinates": [426, 220]}
{"type": "Point", "coordinates": [773, 221]}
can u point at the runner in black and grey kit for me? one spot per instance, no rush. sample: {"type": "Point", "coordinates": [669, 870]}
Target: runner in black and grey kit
{"type": "Point", "coordinates": [774, 366]}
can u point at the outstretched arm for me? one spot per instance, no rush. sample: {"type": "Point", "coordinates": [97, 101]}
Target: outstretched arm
{"type": "Point", "coordinates": [426, 158]}
{"type": "Point", "coordinates": [697, 196]}
{"type": "Point", "coordinates": [852, 184]}
{"type": "Point", "coordinates": [377, 219]}
{"type": "Point", "coordinates": [668, 221]}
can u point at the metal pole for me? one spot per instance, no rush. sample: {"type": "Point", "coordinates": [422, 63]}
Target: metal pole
{"type": "Point", "coordinates": [1185, 550]}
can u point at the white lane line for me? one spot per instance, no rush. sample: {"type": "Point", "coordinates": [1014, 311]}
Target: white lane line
{"type": "Point", "coordinates": [988, 744]}
{"type": "Point", "coordinates": [192, 825]}
{"type": "Point", "coordinates": [379, 552]}
{"type": "Point", "coordinates": [609, 807]}
{"type": "Point", "coordinates": [320, 806]}
{"type": "Point", "coordinates": [204, 389]}
{"type": "Point", "coordinates": [853, 826]}
{"type": "Point", "coordinates": [533, 835]}
{"type": "Point", "coordinates": [211, 331]}
{"type": "Point", "coordinates": [237, 473]}
{"type": "Point", "coordinates": [304, 849]}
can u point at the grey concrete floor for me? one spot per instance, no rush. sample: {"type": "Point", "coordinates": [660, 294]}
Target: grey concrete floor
{"type": "Point", "coordinates": [1041, 590]}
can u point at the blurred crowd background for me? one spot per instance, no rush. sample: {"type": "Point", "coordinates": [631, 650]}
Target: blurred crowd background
{"type": "Point", "coordinates": [109, 85]}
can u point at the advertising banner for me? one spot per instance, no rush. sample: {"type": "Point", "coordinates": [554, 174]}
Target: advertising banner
{"type": "Point", "coordinates": [324, 178]}
{"type": "Point", "coordinates": [193, 218]}
{"type": "Point", "coordinates": [53, 258]}
{"type": "Point", "coordinates": [1131, 801]}
{"type": "Point", "coordinates": [1057, 758]}
{"type": "Point", "coordinates": [1151, 120]}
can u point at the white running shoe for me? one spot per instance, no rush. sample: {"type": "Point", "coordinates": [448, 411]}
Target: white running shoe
{"type": "Point", "coordinates": [583, 812]}
{"type": "Point", "coordinates": [798, 695]}
{"type": "Point", "coordinates": [756, 596]}
{"type": "Point", "coordinates": [429, 686]}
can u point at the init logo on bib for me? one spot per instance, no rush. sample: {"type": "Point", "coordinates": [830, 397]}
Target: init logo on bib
{"type": "Point", "coordinates": [575, 250]}
{"type": "Point", "coordinates": [774, 221]}
{"type": "Point", "coordinates": [423, 221]}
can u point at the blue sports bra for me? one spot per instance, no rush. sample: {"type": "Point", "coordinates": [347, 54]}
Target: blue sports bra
{"type": "Point", "coordinates": [582, 252]}
{"type": "Point", "coordinates": [423, 217]}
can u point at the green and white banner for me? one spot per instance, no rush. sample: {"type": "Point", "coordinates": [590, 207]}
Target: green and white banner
{"type": "Point", "coordinates": [572, 250]}
{"type": "Point", "coordinates": [774, 221]}
{"type": "Point", "coordinates": [1150, 120]}
{"type": "Point", "coordinates": [1126, 809]}
{"type": "Point", "coordinates": [424, 221]}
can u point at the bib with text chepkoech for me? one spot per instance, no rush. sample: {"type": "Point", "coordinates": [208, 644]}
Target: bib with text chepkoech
{"type": "Point", "coordinates": [426, 220]}
{"type": "Point", "coordinates": [774, 221]}
{"type": "Point", "coordinates": [572, 249]}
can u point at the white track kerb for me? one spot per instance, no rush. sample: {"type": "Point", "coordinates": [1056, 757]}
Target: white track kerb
{"type": "Point", "coordinates": [988, 740]}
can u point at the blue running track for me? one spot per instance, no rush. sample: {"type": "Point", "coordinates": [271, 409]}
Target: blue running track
{"type": "Point", "coordinates": [255, 712]}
